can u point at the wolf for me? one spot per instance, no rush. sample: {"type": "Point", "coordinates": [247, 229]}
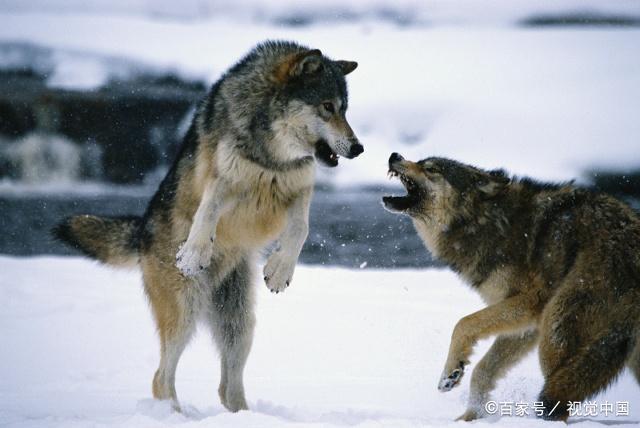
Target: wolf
{"type": "Point", "coordinates": [557, 265]}
{"type": "Point", "coordinates": [243, 179]}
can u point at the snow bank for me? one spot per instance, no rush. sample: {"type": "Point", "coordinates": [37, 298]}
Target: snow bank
{"type": "Point", "coordinates": [339, 348]}
{"type": "Point", "coordinates": [43, 158]}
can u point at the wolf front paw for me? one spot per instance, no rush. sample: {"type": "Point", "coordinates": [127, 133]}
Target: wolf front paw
{"type": "Point", "coordinates": [451, 378]}
{"type": "Point", "coordinates": [192, 259]}
{"type": "Point", "coordinates": [471, 415]}
{"type": "Point", "coordinates": [278, 272]}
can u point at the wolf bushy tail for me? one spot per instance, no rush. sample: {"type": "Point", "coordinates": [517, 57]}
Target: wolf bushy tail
{"type": "Point", "coordinates": [111, 240]}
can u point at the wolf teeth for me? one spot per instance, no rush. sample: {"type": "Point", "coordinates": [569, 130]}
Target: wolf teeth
{"type": "Point", "coordinates": [408, 183]}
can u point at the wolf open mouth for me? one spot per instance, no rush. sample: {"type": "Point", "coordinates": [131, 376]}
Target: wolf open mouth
{"type": "Point", "coordinates": [402, 203]}
{"type": "Point", "coordinates": [326, 155]}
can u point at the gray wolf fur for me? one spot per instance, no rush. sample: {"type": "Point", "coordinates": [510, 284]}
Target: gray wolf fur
{"type": "Point", "coordinates": [557, 265]}
{"type": "Point", "coordinates": [243, 178]}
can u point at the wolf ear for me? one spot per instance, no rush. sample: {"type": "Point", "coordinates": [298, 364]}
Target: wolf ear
{"type": "Point", "coordinates": [495, 183]}
{"type": "Point", "coordinates": [307, 63]}
{"type": "Point", "coordinates": [346, 66]}
{"type": "Point", "coordinates": [297, 65]}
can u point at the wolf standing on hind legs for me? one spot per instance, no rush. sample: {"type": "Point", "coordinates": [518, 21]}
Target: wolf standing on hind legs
{"type": "Point", "coordinates": [557, 265]}
{"type": "Point", "coordinates": [243, 178]}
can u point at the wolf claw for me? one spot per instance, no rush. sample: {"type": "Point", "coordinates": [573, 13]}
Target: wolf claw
{"type": "Point", "coordinates": [278, 272]}
{"type": "Point", "coordinates": [192, 259]}
{"type": "Point", "coordinates": [450, 380]}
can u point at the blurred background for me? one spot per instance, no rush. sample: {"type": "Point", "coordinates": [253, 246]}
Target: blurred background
{"type": "Point", "coordinates": [95, 96]}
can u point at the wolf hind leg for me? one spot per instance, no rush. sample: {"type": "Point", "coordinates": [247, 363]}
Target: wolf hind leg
{"type": "Point", "coordinates": [505, 352]}
{"type": "Point", "coordinates": [634, 360]}
{"type": "Point", "coordinates": [172, 345]}
{"type": "Point", "coordinates": [232, 322]}
{"type": "Point", "coordinates": [578, 376]}
{"type": "Point", "coordinates": [586, 339]}
{"type": "Point", "coordinates": [175, 322]}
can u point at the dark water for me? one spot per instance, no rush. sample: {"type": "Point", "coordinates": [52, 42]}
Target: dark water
{"type": "Point", "coordinates": [346, 228]}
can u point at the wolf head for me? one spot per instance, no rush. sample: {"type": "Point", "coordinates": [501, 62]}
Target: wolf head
{"type": "Point", "coordinates": [314, 101]}
{"type": "Point", "coordinates": [285, 103]}
{"type": "Point", "coordinates": [442, 189]}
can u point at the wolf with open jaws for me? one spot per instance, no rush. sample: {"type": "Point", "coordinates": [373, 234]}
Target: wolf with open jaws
{"type": "Point", "coordinates": [243, 178]}
{"type": "Point", "coordinates": [557, 265]}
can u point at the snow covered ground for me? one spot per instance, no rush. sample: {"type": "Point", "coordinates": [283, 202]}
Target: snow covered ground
{"type": "Point", "coordinates": [551, 103]}
{"type": "Point", "coordinates": [339, 348]}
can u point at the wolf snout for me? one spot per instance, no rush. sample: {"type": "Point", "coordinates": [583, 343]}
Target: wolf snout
{"type": "Point", "coordinates": [356, 149]}
{"type": "Point", "coordinates": [395, 157]}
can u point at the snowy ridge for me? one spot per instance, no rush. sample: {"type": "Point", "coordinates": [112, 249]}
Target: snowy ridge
{"type": "Point", "coordinates": [340, 348]}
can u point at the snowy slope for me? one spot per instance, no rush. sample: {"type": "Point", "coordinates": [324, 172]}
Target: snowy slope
{"type": "Point", "coordinates": [339, 348]}
{"type": "Point", "coordinates": [549, 103]}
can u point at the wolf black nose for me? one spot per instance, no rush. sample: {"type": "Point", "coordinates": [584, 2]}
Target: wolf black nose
{"type": "Point", "coordinates": [356, 149]}
{"type": "Point", "coordinates": [395, 157]}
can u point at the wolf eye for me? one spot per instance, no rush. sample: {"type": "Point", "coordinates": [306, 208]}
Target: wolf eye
{"type": "Point", "coordinates": [430, 170]}
{"type": "Point", "coordinates": [329, 107]}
